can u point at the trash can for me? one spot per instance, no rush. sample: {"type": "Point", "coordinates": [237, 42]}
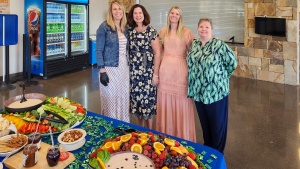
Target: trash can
{"type": "Point", "coordinates": [92, 51]}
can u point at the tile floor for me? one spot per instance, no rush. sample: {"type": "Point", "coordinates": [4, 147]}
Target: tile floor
{"type": "Point", "coordinates": [264, 120]}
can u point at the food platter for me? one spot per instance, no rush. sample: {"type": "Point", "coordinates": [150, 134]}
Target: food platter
{"type": "Point", "coordinates": [32, 106]}
{"type": "Point", "coordinates": [57, 113]}
{"type": "Point", "coordinates": [8, 137]}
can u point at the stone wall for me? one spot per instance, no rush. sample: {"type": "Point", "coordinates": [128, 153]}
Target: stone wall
{"type": "Point", "coordinates": [270, 58]}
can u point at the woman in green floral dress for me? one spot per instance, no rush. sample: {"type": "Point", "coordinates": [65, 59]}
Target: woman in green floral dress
{"type": "Point", "coordinates": [144, 64]}
{"type": "Point", "coordinates": [211, 63]}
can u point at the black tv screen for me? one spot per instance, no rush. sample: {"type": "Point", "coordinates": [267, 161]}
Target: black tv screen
{"type": "Point", "coordinates": [270, 26]}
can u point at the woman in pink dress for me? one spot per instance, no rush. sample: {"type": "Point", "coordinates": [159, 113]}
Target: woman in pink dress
{"type": "Point", "coordinates": [175, 112]}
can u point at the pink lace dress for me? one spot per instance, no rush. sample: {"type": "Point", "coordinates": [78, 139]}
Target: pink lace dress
{"type": "Point", "coordinates": [175, 112]}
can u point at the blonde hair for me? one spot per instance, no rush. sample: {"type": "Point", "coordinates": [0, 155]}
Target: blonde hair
{"type": "Point", "coordinates": [180, 27]}
{"type": "Point", "coordinates": [207, 20]}
{"type": "Point", "coordinates": [110, 19]}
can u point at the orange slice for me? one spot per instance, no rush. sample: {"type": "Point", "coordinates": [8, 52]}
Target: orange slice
{"type": "Point", "coordinates": [136, 148]}
{"type": "Point", "coordinates": [192, 161]}
{"type": "Point", "coordinates": [165, 167]}
{"type": "Point", "coordinates": [181, 167]}
{"type": "Point", "coordinates": [176, 149]}
{"type": "Point", "coordinates": [126, 137]}
{"type": "Point", "coordinates": [158, 146]}
{"type": "Point", "coordinates": [143, 136]}
{"type": "Point", "coordinates": [116, 145]}
{"type": "Point", "coordinates": [157, 152]}
{"type": "Point", "coordinates": [169, 142]}
{"type": "Point", "coordinates": [183, 150]}
{"type": "Point", "coordinates": [143, 142]}
{"type": "Point", "coordinates": [107, 145]}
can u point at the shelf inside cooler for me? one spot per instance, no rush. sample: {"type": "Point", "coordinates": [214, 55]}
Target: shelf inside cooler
{"type": "Point", "coordinates": [55, 53]}
{"type": "Point", "coordinates": [54, 43]}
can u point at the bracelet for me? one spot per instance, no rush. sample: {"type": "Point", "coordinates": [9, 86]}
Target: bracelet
{"type": "Point", "coordinates": [155, 75]}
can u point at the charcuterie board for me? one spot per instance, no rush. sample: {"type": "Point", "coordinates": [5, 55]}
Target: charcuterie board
{"type": "Point", "coordinates": [14, 161]}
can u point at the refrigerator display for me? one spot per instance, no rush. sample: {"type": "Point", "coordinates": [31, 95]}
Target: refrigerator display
{"type": "Point", "coordinates": [58, 31]}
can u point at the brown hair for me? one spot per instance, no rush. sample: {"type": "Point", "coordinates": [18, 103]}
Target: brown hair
{"type": "Point", "coordinates": [205, 19]}
{"type": "Point", "coordinates": [130, 20]}
{"type": "Point", "coordinates": [110, 20]}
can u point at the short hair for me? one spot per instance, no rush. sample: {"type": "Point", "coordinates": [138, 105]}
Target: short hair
{"type": "Point", "coordinates": [205, 19]}
{"type": "Point", "coordinates": [110, 20]}
{"type": "Point", "coordinates": [130, 20]}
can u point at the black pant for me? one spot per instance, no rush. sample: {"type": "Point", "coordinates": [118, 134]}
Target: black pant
{"type": "Point", "coordinates": [214, 120]}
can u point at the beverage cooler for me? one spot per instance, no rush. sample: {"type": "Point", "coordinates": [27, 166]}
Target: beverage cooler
{"type": "Point", "coordinates": [59, 35]}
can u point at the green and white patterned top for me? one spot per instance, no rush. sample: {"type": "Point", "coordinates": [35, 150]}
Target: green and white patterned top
{"type": "Point", "coordinates": [210, 67]}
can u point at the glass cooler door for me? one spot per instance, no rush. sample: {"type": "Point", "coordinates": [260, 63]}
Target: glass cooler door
{"type": "Point", "coordinates": [56, 31]}
{"type": "Point", "coordinates": [78, 29]}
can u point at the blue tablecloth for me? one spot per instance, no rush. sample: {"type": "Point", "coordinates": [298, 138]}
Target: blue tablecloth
{"type": "Point", "coordinates": [211, 157]}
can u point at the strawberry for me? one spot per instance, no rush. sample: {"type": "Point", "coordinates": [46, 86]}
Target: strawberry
{"type": "Point", "coordinates": [162, 156]}
{"type": "Point", "coordinates": [177, 144]}
{"type": "Point", "coordinates": [93, 155]}
{"type": "Point", "coordinates": [152, 138]}
{"type": "Point", "coordinates": [150, 133]}
{"type": "Point", "coordinates": [110, 150]}
{"type": "Point", "coordinates": [168, 148]}
{"type": "Point", "coordinates": [174, 153]}
{"type": "Point", "coordinates": [134, 134]}
{"type": "Point", "coordinates": [117, 139]}
{"type": "Point", "coordinates": [192, 167]}
{"type": "Point", "coordinates": [99, 149]}
{"type": "Point", "coordinates": [147, 147]}
{"type": "Point", "coordinates": [107, 140]}
{"type": "Point", "coordinates": [138, 141]}
{"type": "Point", "coordinates": [131, 141]}
{"type": "Point", "coordinates": [192, 156]}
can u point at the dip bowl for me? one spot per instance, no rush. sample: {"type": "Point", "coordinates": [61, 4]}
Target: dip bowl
{"type": "Point", "coordinates": [72, 141]}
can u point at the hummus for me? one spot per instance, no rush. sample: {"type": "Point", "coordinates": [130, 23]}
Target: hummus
{"type": "Point", "coordinates": [28, 103]}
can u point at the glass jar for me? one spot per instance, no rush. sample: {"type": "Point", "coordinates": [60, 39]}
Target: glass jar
{"type": "Point", "coordinates": [53, 155]}
{"type": "Point", "coordinates": [35, 138]}
{"type": "Point", "coordinates": [30, 155]}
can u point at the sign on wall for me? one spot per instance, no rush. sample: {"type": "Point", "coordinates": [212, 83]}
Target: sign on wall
{"type": "Point", "coordinates": [4, 6]}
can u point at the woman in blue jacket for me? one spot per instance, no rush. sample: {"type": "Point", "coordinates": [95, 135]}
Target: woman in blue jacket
{"type": "Point", "coordinates": [111, 51]}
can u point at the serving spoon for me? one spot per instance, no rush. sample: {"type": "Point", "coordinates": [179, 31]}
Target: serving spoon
{"type": "Point", "coordinates": [23, 98]}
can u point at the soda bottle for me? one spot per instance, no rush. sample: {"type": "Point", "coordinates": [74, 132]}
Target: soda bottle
{"type": "Point", "coordinates": [55, 27]}
{"type": "Point", "coordinates": [62, 27]}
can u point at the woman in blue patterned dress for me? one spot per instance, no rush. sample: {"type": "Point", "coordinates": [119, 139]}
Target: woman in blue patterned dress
{"type": "Point", "coordinates": [144, 48]}
{"type": "Point", "coordinates": [211, 63]}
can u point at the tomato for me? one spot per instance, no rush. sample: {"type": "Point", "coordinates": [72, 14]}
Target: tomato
{"type": "Point", "coordinates": [63, 155]}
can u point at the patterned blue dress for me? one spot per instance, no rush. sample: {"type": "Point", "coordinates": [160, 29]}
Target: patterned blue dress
{"type": "Point", "coordinates": [142, 92]}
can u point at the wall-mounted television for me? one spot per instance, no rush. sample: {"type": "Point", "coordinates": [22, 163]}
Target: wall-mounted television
{"type": "Point", "coordinates": [270, 26]}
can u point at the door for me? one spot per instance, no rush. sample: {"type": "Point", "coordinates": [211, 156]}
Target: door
{"type": "Point", "coordinates": [79, 29]}
{"type": "Point", "coordinates": [56, 31]}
